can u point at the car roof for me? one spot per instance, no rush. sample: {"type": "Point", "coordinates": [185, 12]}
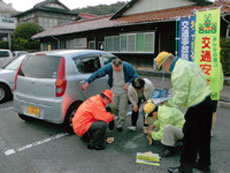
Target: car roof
{"type": "Point", "coordinates": [5, 50]}
{"type": "Point", "coordinates": [20, 51]}
{"type": "Point", "coordinates": [71, 51]}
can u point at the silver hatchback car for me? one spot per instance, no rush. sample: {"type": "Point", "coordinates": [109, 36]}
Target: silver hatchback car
{"type": "Point", "coordinates": [5, 57]}
{"type": "Point", "coordinates": [48, 84]}
{"type": "Point", "coordinates": [7, 75]}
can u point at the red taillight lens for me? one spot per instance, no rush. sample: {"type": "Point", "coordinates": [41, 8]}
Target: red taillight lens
{"type": "Point", "coordinates": [61, 79]}
{"type": "Point", "coordinates": [16, 76]}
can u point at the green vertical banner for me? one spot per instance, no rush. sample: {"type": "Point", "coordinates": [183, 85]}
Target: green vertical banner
{"type": "Point", "coordinates": [207, 45]}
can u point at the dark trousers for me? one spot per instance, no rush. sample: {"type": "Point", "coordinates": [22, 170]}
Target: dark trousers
{"type": "Point", "coordinates": [96, 133]}
{"type": "Point", "coordinates": [134, 116]}
{"type": "Point", "coordinates": [197, 134]}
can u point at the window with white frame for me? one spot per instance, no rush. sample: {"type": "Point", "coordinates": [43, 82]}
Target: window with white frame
{"type": "Point", "coordinates": [69, 44]}
{"type": "Point", "coordinates": [149, 39]}
{"type": "Point", "coordinates": [47, 22]}
{"type": "Point", "coordinates": [137, 42]}
{"type": "Point", "coordinates": [131, 43]}
{"type": "Point", "coordinates": [123, 43]}
{"type": "Point", "coordinates": [80, 43]}
{"type": "Point", "coordinates": [112, 43]}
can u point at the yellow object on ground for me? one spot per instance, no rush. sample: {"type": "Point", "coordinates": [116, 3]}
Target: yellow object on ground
{"type": "Point", "coordinates": [149, 156]}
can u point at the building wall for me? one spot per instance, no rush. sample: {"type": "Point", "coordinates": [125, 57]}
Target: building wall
{"type": "Point", "coordinates": [143, 6]}
{"type": "Point", "coordinates": [61, 18]}
{"type": "Point", "coordinates": [46, 19]}
{"type": "Point", "coordinates": [7, 22]}
{"type": "Point", "coordinates": [7, 26]}
{"type": "Point", "coordinates": [26, 18]}
{"type": "Point", "coordinates": [164, 40]}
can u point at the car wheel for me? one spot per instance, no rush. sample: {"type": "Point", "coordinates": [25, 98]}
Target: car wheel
{"type": "Point", "coordinates": [25, 118]}
{"type": "Point", "coordinates": [5, 93]}
{"type": "Point", "coordinates": [69, 116]}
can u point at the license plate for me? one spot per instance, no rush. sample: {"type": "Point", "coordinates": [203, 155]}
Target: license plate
{"type": "Point", "coordinates": [34, 110]}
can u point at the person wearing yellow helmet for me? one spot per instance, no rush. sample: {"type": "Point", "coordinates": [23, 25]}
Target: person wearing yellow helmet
{"type": "Point", "coordinates": [191, 91]}
{"type": "Point", "coordinates": [169, 122]}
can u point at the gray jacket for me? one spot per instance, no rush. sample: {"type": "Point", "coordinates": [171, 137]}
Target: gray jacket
{"type": "Point", "coordinates": [132, 93]}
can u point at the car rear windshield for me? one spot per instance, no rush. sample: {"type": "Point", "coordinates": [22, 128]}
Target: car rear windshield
{"type": "Point", "coordinates": [4, 54]}
{"type": "Point", "coordinates": [40, 66]}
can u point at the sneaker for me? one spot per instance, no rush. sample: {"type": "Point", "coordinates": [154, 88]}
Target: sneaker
{"type": "Point", "coordinates": [180, 169]}
{"type": "Point", "coordinates": [145, 130]}
{"type": "Point", "coordinates": [132, 128]}
{"type": "Point", "coordinates": [174, 169]}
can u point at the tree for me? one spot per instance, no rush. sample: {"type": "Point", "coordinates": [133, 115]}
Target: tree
{"type": "Point", "coordinates": [22, 36]}
{"type": "Point", "coordinates": [102, 9]}
{"type": "Point", "coordinates": [225, 55]}
{"type": "Point", "coordinates": [4, 45]}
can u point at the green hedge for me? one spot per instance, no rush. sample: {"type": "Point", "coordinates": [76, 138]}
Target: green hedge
{"type": "Point", "coordinates": [225, 55]}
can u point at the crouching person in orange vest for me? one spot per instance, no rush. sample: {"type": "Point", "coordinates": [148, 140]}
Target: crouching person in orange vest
{"type": "Point", "coordinates": [91, 119]}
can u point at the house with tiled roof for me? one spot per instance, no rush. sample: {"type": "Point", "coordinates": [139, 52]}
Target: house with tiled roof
{"type": "Point", "coordinates": [47, 14]}
{"type": "Point", "coordinates": [85, 16]}
{"type": "Point", "coordinates": [7, 22]}
{"type": "Point", "coordinates": [136, 32]}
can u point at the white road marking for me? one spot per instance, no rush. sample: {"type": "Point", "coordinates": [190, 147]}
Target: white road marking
{"type": "Point", "coordinates": [25, 147]}
{"type": "Point", "coordinates": [10, 152]}
{"type": "Point", "coordinates": [6, 109]}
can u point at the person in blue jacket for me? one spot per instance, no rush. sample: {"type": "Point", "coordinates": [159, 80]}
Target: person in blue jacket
{"type": "Point", "coordinates": [120, 76]}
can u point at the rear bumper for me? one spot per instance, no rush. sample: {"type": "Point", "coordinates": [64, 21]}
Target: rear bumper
{"type": "Point", "coordinates": [49, 110]}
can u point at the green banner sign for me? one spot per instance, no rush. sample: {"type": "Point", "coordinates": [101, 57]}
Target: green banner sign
{"type": "Point", "coordinates": [207, 48]}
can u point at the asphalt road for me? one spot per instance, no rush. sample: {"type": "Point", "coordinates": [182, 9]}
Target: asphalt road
{"type": "Point", "coordinates": [41, 147]}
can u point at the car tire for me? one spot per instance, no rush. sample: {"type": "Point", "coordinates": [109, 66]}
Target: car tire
{"type": "Point", "coordinates": [69, 116]}
{"type": "Point", "coordinates": [25, 118]}
{"type": "Point", "coordinates": [5, 93]}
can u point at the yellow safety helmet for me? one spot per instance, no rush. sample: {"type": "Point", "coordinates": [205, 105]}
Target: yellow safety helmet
{"type": "Point", "coordinates": [148, 108]}
{"type": "Point", "coordinates": [161, 57]}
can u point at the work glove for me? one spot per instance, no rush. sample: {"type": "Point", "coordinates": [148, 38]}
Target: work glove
{"type": "Point", "coordinates": [111, 125]}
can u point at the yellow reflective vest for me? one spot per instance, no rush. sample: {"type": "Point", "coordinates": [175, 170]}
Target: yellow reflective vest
{"type": "Point", "coordinates": [167, 115]}
{"type": "Point", "coordinates": [189, 85]}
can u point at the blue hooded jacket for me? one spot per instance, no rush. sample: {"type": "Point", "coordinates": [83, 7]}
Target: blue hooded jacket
{"type": "Point", "coordinates": [129, 73]}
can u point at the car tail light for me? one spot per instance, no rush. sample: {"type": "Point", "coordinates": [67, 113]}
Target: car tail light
{"type": "Point", "coordinates": [61, 79]}
{"type": "Point", "coordinates": [16, 76]}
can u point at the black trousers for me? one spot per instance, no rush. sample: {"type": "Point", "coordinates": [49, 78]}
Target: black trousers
{"type": "Point", "coordinates": [96, 133]}
{"type": "Point", "coordinates": [134, 116]}
{"type": "Point", "coordinates": [196, 131]}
